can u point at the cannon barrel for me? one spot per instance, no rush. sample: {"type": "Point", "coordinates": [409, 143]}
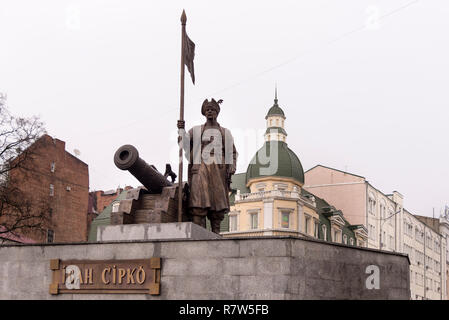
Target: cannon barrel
{"type": "Point", "coordinates": [127, 158]}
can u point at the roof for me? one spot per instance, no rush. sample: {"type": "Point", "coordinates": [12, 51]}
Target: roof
{"type": "Point", "coordinates": [104, 218]}
{"type": "Point", "coordinates": [320, 165]}
{"type": "Point", "coordinates": [275, 130]}
{"type": "Point", "coordinates": [275, 110]}
{"type": "Point", "coordinates": [287, 163]}
{"type": "Point", "coordinates": [10, 236]}
{"type": "Point", "coordinates": [323, 206]}
{"type": "Point", "coordinates": [238, 183]}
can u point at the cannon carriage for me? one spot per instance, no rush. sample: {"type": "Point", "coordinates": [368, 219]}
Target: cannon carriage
{"type": "Point", "coordinates": [156, 201]}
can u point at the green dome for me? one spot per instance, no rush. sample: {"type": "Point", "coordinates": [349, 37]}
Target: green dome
{"type": "Point", "coordinates": [275, 110]}
{"type": "Point", "coordinates": [289, 165]}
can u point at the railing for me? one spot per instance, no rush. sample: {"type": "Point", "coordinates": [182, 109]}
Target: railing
{"type": "Point", "coordinates": [263, 232]}
{"type": "Point", "coordinates": [267, 194]}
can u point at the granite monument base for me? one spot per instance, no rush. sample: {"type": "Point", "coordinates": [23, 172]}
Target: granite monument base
{"type": "Point", "coordinates": [154, 231]}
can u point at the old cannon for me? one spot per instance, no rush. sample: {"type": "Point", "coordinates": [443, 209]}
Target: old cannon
{"type": "Point", "coordinates": [127, 158]}
{"type": "Point", "coordinates": [156, 201]}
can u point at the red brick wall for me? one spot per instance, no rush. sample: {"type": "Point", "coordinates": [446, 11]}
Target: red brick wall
{"type": "Point", "coordinates": [104, 200]}
{"type": "Point", "coordinates": [69, 207]}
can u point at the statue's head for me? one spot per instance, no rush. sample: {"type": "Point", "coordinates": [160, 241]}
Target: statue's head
{"type": "Point", "coordinates": [211, 109]}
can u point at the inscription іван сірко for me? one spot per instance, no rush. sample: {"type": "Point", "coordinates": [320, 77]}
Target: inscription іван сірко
{"type": "Point", "coordinates": [108, 276]}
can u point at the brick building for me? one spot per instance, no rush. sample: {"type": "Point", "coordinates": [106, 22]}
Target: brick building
{"type": "Point", "coordinates": [100, 200]}
{"type": "Point", "coordinates": [59, 179]}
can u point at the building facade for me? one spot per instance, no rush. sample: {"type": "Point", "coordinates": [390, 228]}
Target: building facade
{"type": "Point", "coordinates": [104, 218]}
{"type": "Point", "coordinates": [269, 198]}
{"type": "Point", "coordinates": [56, 177]}
{"type": "Point", "coordinates": [390, 226]}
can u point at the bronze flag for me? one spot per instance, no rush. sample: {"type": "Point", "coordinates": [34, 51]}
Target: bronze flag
{"type": "Point", "coordinates": [189, 54]}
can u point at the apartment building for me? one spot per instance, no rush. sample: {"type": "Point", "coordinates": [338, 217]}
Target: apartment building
{"type": "Point", "coordinates": [390, 227]}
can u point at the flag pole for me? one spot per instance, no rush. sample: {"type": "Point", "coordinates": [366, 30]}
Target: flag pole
{"type": "Point", "coordinates": [181, 115]}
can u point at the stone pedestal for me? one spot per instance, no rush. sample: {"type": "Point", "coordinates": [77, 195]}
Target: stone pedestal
{"type": "Point", "coordinates": [154, 231]}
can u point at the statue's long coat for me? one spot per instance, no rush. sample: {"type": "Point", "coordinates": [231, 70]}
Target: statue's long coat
{"type": "Point", "coordinates": [209, 182]}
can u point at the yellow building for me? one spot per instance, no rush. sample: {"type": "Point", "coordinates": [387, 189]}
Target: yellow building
{"type": "Point", "coordinates": [269, 198]}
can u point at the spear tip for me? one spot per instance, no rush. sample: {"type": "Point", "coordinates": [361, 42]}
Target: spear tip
{"type": "Point", "coordinates": [183, 17]}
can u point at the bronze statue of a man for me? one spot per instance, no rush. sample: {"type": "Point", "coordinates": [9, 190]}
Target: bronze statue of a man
{"type": "Point", "coordinates": [212, 161]}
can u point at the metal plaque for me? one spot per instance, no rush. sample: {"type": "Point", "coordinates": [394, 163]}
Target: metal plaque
{"type": "Point", "coordinates": [106, 276]}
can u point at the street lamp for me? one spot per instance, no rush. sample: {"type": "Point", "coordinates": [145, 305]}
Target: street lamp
{"type": "Point", "coordinates": [381, 224]}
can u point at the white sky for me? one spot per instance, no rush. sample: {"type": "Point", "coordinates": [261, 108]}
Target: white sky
{"type": "Point", "coordinates": [362, 95]}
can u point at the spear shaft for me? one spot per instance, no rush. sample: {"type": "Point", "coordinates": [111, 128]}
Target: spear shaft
{"type": "Point", "coordinates": [181, 115]}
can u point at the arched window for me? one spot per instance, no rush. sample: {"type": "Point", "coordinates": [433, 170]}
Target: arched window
{"type": "Point", "coordinates": [345, 239]}
{"type": "Point", "coordinates": [372, 204]}
{"type": "Point", "coordinates": [351, 241]}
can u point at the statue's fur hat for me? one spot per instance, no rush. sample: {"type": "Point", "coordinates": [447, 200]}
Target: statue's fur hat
{"type": "Point", "coordinates": [213, 103]}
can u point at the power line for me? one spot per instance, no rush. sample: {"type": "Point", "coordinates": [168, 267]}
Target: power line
{"type": "Point", "coordinates": [274, 67]}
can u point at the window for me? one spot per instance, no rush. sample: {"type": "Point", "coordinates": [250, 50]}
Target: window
{"type": "Point", "coordinates": [372, 206]}
{"type": "Point", "coordinates": [419, 257]}
{"type": "Point", "coordinates": [50, 236]}
{"type": "Point", "coordinates": [419, 235]}
{"type": "Point", "coordinates": [336, 235]}
{"type": "Point", "coordinates": [324, 229]}
{"type": "Point", "coordinates": [429, 241]}
{"type": "Point", "coordinates": [254, 219]}
{"type": "Point", "coordinates": [52, 190]}
{"type": "Point", "coordinates": [372, 232]}
{"type": "Point", "coordinates": [408, 228]}
{"type": "Point", "coordinates": [316, 229]}
{"type": "Point", "coordinates": [285, 219]}
{"type": "Point", "coordinates": [345, 239]}
{"type": "Point", "coordinates": [233, 222]}
{"type": "Point", "coordinates": [391, 220]}
{"type": "Point", "coordinates": [419, 279]}
{"type": "Point", "coordinates": [437, 246]}
{"type": "Point", "coordinates": [382, 211]}
{"type": "Point", "coordinates": [306, 225]}
{"type": "Point", "coordinates": [115, 207]}
{"type": "Point", "coordinates": [52, 167]}
{"type": "Point", "coordinates": [351, 241]}
{"type": "Point", "coordinates": [280, 186]}
{"type": "Point", "coordinates": [391, 242]}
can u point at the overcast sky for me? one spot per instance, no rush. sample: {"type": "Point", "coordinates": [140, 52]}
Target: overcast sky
{"type": "Point", "coordinates": [363, 84]}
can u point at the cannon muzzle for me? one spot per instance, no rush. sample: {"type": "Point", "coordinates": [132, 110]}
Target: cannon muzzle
{"type": "Point", "coordinates": [127, 158]}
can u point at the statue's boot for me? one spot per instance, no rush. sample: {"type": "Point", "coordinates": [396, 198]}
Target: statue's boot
{"type": "Point", "coordinates": [199, 220]}
{"type": "Point", "coordinates": [215, 224]}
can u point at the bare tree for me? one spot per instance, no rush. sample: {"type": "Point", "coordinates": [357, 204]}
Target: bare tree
{"type": "Point", "coordinates": [19, 211]}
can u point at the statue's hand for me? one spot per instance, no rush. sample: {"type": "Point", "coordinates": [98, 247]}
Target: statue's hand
{"type": "Point", "coordinates": [181, 124]}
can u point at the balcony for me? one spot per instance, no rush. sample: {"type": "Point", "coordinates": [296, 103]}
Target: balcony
{"type": "Point", "coordinates": [256, 196]}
